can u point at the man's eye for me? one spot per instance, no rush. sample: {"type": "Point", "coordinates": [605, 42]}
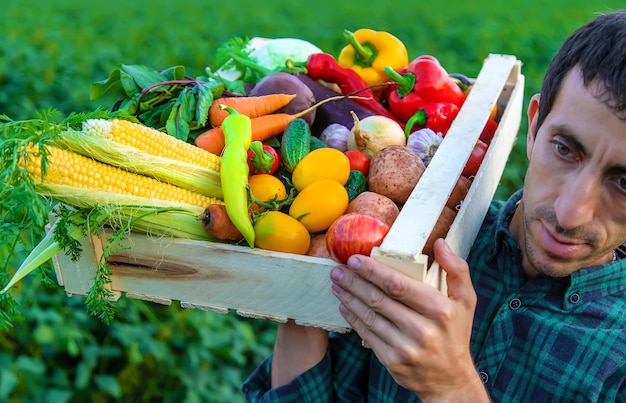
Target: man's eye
{"type": "Point", "coordinates": [561, 149]}
{"type": "Point", "coordinates": [622, 184]}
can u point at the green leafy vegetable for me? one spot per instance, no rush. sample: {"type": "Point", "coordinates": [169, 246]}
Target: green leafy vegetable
{"type": "Point", "coordinates": [163, 99]}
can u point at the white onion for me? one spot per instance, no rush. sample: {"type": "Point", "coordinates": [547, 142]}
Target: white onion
{"type": "Point", "coordinates": [373, 133]}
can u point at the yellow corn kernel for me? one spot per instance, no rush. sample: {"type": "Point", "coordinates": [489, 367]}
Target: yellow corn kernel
{"type": "Point", "coordinates": [72, 169]}
{"type": "Point", "coordinates": [152, 141]}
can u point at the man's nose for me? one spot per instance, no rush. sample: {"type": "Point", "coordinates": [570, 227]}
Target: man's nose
{"type": "Point", "coordinates": [577, 202]}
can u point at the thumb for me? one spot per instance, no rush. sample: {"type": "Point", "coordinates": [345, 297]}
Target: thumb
{"type": "Point", "coordinates": [458, 278]}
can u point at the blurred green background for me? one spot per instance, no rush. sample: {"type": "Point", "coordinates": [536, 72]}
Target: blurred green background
{"type": "Point", "coordinates": [50, 53]}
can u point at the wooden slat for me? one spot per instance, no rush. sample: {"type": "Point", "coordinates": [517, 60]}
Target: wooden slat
{"type": "Point", "coordinates": [221, 277]}
{"type": "Point", "coordinates": [476, 203]}
{"type": "Point", "coordinates": [403, 245]}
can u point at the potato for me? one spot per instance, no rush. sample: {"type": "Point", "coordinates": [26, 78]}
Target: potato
{"type": "Point", "coordinates": [285, 83]}
{"type": "Point", "coordinates": [394, 172]}
{"type": "Point", "coordinates": [376, 205]}
{"type": "Point", "coordinates": [458, 193]}
{"type": "Point", "coordinates": [445, 220]}
{"type": "Point", "coordinates": [318, 247]}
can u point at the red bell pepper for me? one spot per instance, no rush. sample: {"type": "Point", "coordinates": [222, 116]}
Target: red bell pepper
{"type": "Point", "coordinates": [423, 81]}
{"type": "Point", "coordinates": [437, 116]}
{"type": "Point", "coordinates": [323, 66]}
{"type": "Point", "coordinates": [262, 158]}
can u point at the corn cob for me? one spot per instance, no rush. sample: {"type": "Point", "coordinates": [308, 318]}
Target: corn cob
{"type": "Point", "coordinates": [151, 141]}
{"type": "Point", "coordinates": [141, 149]}
{"type": "Point", "coordinates": [72, 170]}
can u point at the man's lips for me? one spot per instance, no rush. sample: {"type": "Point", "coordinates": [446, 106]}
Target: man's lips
{"type": "Point", "coordinates": [558, 246]}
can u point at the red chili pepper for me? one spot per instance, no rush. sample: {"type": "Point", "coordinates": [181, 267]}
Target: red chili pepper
{"type": "Point", "coordinates": [437, 116]}
{"type": "Point", "coordinates": [423, 81]}
{"type": "Point", "coordinates": [262, 158]}
{"type": "Point", "coordinates": [323, 66]}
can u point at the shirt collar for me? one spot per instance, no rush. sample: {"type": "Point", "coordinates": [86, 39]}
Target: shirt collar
{"type": "Point", "coordinates": [502, 238]}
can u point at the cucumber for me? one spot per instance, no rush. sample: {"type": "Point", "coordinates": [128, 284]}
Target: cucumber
{"type": "Point", "coordinates": [295, 144]}
{"type": "Point", "coordinates": [317, 143]}
{"type": "Point", "coordinates": [356, 184]}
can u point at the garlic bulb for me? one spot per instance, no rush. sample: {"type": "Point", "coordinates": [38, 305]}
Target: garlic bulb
{"type": "Point", "coordinates": [336, 136]}
{"type": "Point", "coordinates": [424, 143]}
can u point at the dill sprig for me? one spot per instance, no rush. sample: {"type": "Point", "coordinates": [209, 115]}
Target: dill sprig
{"type": "Point", "coordinates": [23, 211]}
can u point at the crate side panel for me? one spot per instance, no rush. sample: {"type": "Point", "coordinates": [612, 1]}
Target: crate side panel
{"type": "Point", "coordinates": [419, 215]}
{"type": "Point", "coordinates": [476, 203]}
{"type": "Point", "coordinates": [217, 277]}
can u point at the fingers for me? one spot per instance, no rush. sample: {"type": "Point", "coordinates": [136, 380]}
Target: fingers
{"type": "Point", "coordinates": [376, 297]}
{"type": "Point", "coordinates": [369, 310]}
{"type": "Point", "coordinates": [460, 288]}
{"type": "Point", "coordinates": [390, 283]}
{"type": "Point", "coordinates": [364, 320]}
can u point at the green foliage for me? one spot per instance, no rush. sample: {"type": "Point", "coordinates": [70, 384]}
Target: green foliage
{"type": "Point", "coordinates": [161, 99]}
{"type": "Point", "coordinates": [50, 54]}
{"type": "Point", "coordinates": [149, 353]}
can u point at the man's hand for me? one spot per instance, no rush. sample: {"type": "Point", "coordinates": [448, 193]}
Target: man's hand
{"type": "Point", "coordinates": [419, 334]}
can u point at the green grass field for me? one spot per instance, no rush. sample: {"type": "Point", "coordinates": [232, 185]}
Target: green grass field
{"type": "Point", "coordinates": [50, 53]}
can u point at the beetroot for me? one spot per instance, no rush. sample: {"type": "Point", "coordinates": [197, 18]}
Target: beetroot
{"type": "Point", "coordinates": [285, 83]}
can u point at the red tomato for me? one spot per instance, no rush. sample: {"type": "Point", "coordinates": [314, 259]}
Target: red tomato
{"type": "Point", "coordinates": [475, 159]}
{"type": "Point", "coordinates": [358, 161]}
{"type": "Point", "coordinates": [489, 131]}
{"type": "Point", "coordinates": [354, 233]}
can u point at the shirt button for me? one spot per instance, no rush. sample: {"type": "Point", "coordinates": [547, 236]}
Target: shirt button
{"type": "Point", "coordinates": [515, 303]}
{"type": "Point", "coordinates": [574, 298]}
{"type": "Point", "coordinates": [483, 376]}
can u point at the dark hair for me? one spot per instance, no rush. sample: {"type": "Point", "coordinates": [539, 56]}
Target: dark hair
{"type": "Point", "coordinates": [598, 49]}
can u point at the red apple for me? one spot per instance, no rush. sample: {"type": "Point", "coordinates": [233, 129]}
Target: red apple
{"type": "Point", "coordinates": [354, 233]}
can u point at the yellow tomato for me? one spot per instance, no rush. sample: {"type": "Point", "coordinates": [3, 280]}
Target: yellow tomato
{"type": "Point", "coordinates": [280, 232]}
{"type": "Point", "coordinates": [319, 204]}
{"type": "Point", "coordinates": [266, 187]}
{"type": "Point", "coordinates": [321, 163]}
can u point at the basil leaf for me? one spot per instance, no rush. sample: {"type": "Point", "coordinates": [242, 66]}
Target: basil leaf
{"type": "Point", "coordinates": [204, 101]}
{"type": "Point", "coordinates": [128, 84]}
{"type": "Point", "coordinates": [130, 105]}
{"type": "Point", "coordinates": [143, 76]}
{"type": "Point", "coordinates": [157, 116]}
{"type": "Point", "coordinates": [174, 73]}
{"type": "Point", "coordinates": [177, 125]}
{"type": "Point", "coordinates": [111, 84]}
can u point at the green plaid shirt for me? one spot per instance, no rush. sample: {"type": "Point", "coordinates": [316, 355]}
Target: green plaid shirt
{"type": "Point", "coordinates": [537, 340]}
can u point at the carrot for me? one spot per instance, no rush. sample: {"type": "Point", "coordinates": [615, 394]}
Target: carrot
{"type": "Point", "coordinates": [211, 140]}
{"type": "Point", "coordinates": [263, 127]}
{"type": "Point", "coordinates": [249, 106]}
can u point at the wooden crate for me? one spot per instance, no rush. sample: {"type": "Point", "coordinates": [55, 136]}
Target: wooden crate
{"type": "Point", "coordinates": [279, 286]}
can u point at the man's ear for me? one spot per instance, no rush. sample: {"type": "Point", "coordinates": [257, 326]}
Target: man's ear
{"type": "Point", "coordinates": [533, 107]}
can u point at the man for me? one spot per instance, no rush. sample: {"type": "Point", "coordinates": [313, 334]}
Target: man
{"type": "Point", "coordinates": [542, 316]}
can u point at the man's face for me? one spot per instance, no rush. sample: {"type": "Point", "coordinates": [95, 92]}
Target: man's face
{"type": "Point", "coordinates": [573, 212]}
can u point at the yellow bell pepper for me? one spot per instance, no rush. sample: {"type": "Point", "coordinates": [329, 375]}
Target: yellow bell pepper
{"type": "Point", "coordinates": [369, 52]}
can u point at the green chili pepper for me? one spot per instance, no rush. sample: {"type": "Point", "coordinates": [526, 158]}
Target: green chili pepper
{"type": "Point", "coordinates": [234, 171]}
